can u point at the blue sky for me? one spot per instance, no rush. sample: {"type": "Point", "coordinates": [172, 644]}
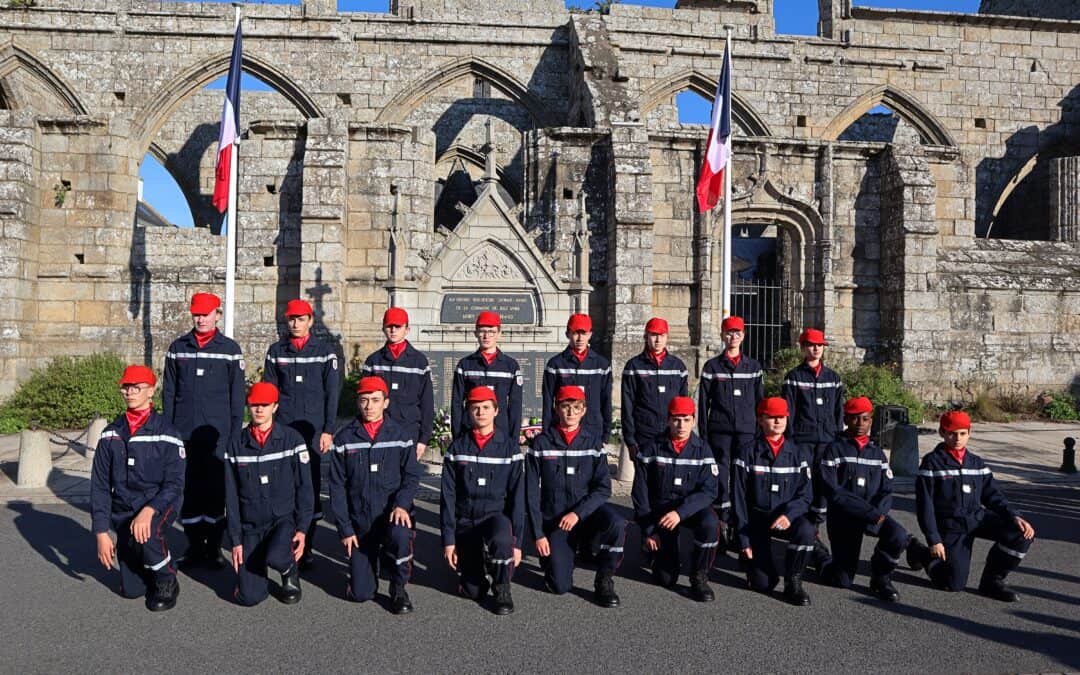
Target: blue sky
{"type": "Point", "coordinates": [793, 17]}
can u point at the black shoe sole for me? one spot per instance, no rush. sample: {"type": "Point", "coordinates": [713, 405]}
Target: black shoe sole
{"type": "Point", "coordinates": [502, 611]}
{"type": "Point", "coordinates": [289, 599]}
{"type": "Point", "coordinates": [163, 607]}
{"type": "Point", "coordinates": [607, 603]}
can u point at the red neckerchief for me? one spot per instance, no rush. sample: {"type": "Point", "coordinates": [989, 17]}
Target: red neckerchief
{"type": "Point", "coordinates": [261, 436]}
{"type": "Point", "coordinates": [816, 369]}
{"type": "Point", "coordinates": [734, 359]}
{"type": "Point", "coordinates": [482, 439]}
{"type": "Point", "coordinates": [204, 338]}
{"type": "Point", "coordinates": [775, 445]}
{"type": "Point", "coordinates": [658, 358]}
{"type": "Point", "coordinates": [569, 435]}
{"type": "Point", "coordinates": [137, 418]}
{"type": "Point", "coordinates": [490, 358]}
{"type": "Point", "coordinates": [958, 455]}
{"type": "Point", "coordinates": [861, 441]}
{"type": "Point", "coordinates": [372, 428]}
{"type": "Point", "coordinates": [298, 343]}
{"type": "Point", "coordinates": [580, 355]}
{"type": "Point", "coordinates": [396, 348]}
{"type": "Point", "coordinates": [678, 445]}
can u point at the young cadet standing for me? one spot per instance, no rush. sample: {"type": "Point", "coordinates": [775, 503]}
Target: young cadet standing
{"type": "Point", "coordinates": [580, 366]}
{"type": "Point", "coordinates": [815, 397]}
{"type": "Point", "coordinates": [374, 477]}
{"type": "Point", "coordinates": [770, 497]}
{"type": "Point", "coordinates": [731, 386]}
{"type": "Point", "coordinates": [305, 371]}
{"type": "Point", "coordinates": [650, 381]}
{"type": "Point", "coordinates": [268, 499]}
{"type": "Point", "coordinates": [568, 485]}
{"type": "Point", "coordinates": [957, 500]}
{"type": "Point", "coordinates": [675, 484]}
{"type": "Point", "coordinates": [858, 486]}
{"type": "Point", "coordinates": [406, 371]}
{"type": "Point", "coordinates": [488, 367]}
{"type": "Point", "coordinates": [136, 483]}
{"type": "Point", "coordinates": [482, 504]}
{"type": "Point", "coordinates": [203, 397]}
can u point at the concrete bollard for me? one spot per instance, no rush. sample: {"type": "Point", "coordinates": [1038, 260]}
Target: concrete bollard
{"type": "Point", "coordinates": [1068, 456]}
{"type": "Point", "coordinates": [35, 459]}
{"type": "Point", "coordinates": [626, 465]}
{"type": "Point", "coordinates": [904, 453]}
{"type": "Point", "coordinates": [93, 435]}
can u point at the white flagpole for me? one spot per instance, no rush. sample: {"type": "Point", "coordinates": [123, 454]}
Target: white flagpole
{"type": "Point", "coordinates": [230, 233]}
{"type": "Point", "coordinates": [725, 260]}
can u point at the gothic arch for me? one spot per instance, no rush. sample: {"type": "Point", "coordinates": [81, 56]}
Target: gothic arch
{"type": "Point", "coordinates": [477, 159]}
{"type": "Point", "coordinates": [742, 113]}
{"type": "Point", "coordinates": [150, 118]}
{"type": "Point", "coordinates": [13, 57]}
{"type": "Point", "coordinates": [407, 100]}
{"type": "Point", "coordinates": [904, 104]}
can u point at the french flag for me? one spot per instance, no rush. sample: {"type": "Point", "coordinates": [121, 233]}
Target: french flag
{"type": "Point", "coordinates": [710, 183]}
{"type": "Point", "coordinates": [230, 124]}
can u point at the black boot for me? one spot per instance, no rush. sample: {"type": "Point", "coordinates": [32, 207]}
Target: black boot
{"type": "Point", "coordinates": [163, 597]}
{"type": "Point", "coordinates": [605, 589]}
{"type": "Point", "coordinates": [918, 554]}
{"type": "Point", "coordinates": [820, 557]}
{"type": "Point", "coordinates": [699, 587]}
{"type": "Point", "coordinates": [504, 604]}
{"type": "Point", "coordinates": [399, 600]}
{"type": "Point", "coordinates": [793, 591]}
{"type": "Point", "coordinates": [993, 586]}
{"type": "Point", "coordinates": [290, 586]}
{"type": "Point", "coordinates": [882, 587]}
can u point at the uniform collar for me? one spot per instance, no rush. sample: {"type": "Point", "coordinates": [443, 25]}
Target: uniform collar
{"type": "Point", "coordinates": [948, 456]}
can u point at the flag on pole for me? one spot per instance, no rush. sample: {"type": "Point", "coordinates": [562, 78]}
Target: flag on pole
{"type": "Point", "coordinates": [710, 183]}
{"type": "Point", "coordinates": [230, 125]}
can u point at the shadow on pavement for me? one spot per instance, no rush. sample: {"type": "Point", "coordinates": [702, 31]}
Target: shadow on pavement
{"type": "Point", "coordinates": [61, 541]}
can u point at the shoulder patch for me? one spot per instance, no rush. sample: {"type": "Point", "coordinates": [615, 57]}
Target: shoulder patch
{"type": "Point", "coordinates": [715, 469]}
{"type": "Point", "coordinates": [333, 361]}
{"type": "Point", "coordinates": [520, 380]}
{"type": "Point", "coordinates": [243, 366]}
{"type": "Point", "coordinates": [304, 457]}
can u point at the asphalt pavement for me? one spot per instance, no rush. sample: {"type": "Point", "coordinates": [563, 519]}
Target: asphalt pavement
{"type": "Point", "coordinates": [62, 613]}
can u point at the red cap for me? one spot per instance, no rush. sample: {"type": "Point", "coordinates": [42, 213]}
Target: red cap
{"type": "Point", "coordinates": [489, 319]}
{"type": "Point", "coordinates": [732, 323]}
{"type": "Point", "coordinates": [954, 420]}
{"type": "Point", "coordinates": [368, 385]}
{"type": "Point", "coordinates": [298, 308]}
{"type": "Point", "coordinates": [774, 406]}
{"type": "Point", "coordinates": [138, 375]}
{"type": "Point", "coordinates": [395, 316]}
{"type": "Point", "coordinates": [813, 336]}
{"type": "Point", "coordinates": [570, 393]}
{"type": "Point", "coordinates": [579, 322]}
{"type": "Point", "coordinates": [477, 394]}
{"type": "Point", "coordinates": [656, 325]}
{"type": "Point", "coordinates": [262, 393]}
{"type": "Point", "coordinates": [682, 405]}
{"type": "Point", "coordinates": [204, 303]}
{"type": "Point", "coordinates": [857, 406]}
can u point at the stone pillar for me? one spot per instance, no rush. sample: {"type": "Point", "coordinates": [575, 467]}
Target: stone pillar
{"type": "Point", "coordinates": [909, 301]}
{"type": "Point", "coordinates": [834, 19]}
{"type": "Point", "coordinates": [1065, 199]}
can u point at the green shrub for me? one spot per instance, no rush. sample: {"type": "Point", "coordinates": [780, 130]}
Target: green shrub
{"type": "Point", "coordinates": [782, 361]}
{"type": "Point", "coordinates": [66, 394]}
{"type": "Point", "coordinates": [1062, 407]}
{"type": "Point", "coordinates": [347, 401]}
{"type": "Point", "coordinates": [882, 386]}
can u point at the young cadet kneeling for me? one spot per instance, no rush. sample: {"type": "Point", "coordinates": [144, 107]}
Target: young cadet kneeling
{"type": "Point", "coordinates": [482, 505]}
{"type": "Point", "coordinates": [771, 497]}
{"type": "Point", "coordinates": [675, 484]}
{"type": "Point", "coordinates": [135, 487]}
{"type": "Point", "coordinates": [374, 476]}
{"type": "Point", "coordinates": [567, 485]}
{"type": "Point", "coordinates": [957, 500]}
{"type": "Point", "coordinates": [858, 485]}
{"type": "Point", "coordinates": [268, 501]}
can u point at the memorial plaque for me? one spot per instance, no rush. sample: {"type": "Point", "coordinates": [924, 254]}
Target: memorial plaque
{"type": "Point", "coordinates": [513, 308]}
{"type": "Point", "coordinates": [532, 372]}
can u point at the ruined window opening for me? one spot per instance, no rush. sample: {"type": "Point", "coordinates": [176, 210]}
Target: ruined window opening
{"type": "Point", "coordinates": [796, 17]}
{"type": "Point", "coordinates": [161, 201]}
{"type": "Point", "coordinates": [346, 99]}
{"type": "Point", "coordinates": [120, 96]}
{"type": "Point", "coordinates": [567, 193]}
{"type": "Point", "coordinates": [880, 124]}
{"type": "Point", "coordinates": [800, 121]}
{"type": "Point", "coordinates": [693, 108]}
{"type": "Point", "coordinates": [80, 258]}
{"type": "Point", "coordinates": [481, 88]}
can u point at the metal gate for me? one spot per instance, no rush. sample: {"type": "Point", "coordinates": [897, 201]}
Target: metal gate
{"type": "Point", "coordinates": [761, 305]}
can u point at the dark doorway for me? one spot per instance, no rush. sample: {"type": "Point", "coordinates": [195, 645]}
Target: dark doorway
{"type": "Point", "coordinates": [760, 289]}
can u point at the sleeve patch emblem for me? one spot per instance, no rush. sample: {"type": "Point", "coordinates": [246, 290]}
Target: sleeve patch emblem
{"type": "Point", "coordinates": [304, 457]}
